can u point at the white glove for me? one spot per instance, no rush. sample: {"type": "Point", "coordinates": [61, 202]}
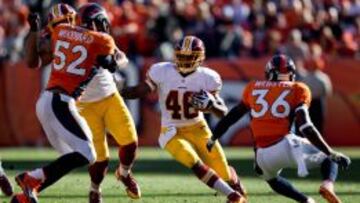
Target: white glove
{"type": "Point", "coordinates": [202, 100]}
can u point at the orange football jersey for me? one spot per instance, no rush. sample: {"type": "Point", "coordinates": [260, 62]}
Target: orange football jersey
{"type": "Point", "coordinates": [75, 51]}
{"type": "Point", "coordinates": [272, 107]}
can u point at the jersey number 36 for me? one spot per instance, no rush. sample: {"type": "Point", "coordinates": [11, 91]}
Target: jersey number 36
{"type": "Point", "coordinates": [280, 108]}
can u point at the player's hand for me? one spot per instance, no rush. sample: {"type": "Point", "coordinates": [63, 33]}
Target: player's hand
{"type": "Point", "coordinates": [341, 159]}
{"type": "Point", "coordinates": [34, 21]}
{"type": "Point", "coordinates": [210, 144]}
{"type": "Point", "coordinates": [202, 100]}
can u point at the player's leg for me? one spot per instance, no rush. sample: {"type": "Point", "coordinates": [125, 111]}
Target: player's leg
{"type": "Point", "coordinates": [61, 114]}
{"type": "Point", "coordinates": [329, 170]}
{"type": "Point", "coordinates": [270, 161]}
{"type": "Point", "coordinates": [121, 126]}
{"type": "Point", "coordinates": [215, 159]}
{"type": "Point", "coordinates": [5, 185]}
{"type": "Point", "coordinates": [92, 112]}
{"type": "Point", "coordinates": [182, 151]}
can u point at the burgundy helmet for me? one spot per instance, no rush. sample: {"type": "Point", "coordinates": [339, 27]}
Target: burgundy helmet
{"type": "Point", "coordinates": [280, 68]}
{"type": "Point", "coordinates": [94, 17]}
{"type": "Point", "coordinates": [189, 54]}
{"type": "Point", "coordinates": [61, 13]}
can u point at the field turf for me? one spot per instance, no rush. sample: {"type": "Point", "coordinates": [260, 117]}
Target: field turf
{"type": "Point", "coordinates": [162, 180]}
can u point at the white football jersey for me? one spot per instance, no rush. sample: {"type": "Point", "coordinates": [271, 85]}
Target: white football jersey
{"type": "Point", "coordinates": [100, 87]}
{"type": "Point", "coordinates": [175, 92]}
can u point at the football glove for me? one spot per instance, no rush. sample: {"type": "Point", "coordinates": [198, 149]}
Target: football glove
{"type": "Point", "coordinates": [202, 100]}
{"type": "Point", "coordinates": [342, 160]}
{"type": "Point", "coordinates": [210, 144]}
{"type": "Point", "coordinates": [34, 21]}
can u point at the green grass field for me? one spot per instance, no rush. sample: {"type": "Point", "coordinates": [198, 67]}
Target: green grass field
{"type": "Point", "coordinates": [162, 180]}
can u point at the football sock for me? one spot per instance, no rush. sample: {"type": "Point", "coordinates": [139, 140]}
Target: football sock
{"type": "Point", "coordinates": [97, 173]}
{"type": "Point", "coordinates": [61, 166]}
{"type": "Point", "coordinates": [284, 187]}
{"type": "Point", "coordinates": [329, 170]}
{"type": "Point", "coordinates": [38, 174]}
{"type": "Point", "coordinates": [209, 177]}
{"type": "Point", "coordinates": [1, 170]}
{"type": "Point", "coordinates": [127, 156]}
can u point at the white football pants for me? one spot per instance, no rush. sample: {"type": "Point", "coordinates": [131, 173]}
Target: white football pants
{"type": "Point", "coordinates": [273, 159]}
{"type": "Point", "coordinates": [66, 130]}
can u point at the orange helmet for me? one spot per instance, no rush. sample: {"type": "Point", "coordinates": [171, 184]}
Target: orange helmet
{"type": "Point", "coordinates": [189, 54]}
{"type": "Point", "coordinates": [61, 13]}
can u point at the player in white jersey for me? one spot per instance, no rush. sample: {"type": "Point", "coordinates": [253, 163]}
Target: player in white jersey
{"type": "Point", "coordinates": [100, 105]}
{"type": "Point", "coordinates": [186, 90]}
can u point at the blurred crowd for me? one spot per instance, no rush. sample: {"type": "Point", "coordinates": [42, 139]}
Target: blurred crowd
{"type": "Point", "coordinates": [229, 28]}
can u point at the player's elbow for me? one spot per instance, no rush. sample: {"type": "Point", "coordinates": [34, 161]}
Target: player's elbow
{"type": "Point", "coordinates": [31, 62]}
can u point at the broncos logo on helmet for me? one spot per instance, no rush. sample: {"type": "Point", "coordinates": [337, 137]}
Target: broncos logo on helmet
{"type": "Point", "coordinates": [280, 68]}
{"type": "Point", "coordinates": [189, 54]}
{"type": "Point", "coordinates": [94, 17]}
{"type": "Point", "coordinates": [60, 13]}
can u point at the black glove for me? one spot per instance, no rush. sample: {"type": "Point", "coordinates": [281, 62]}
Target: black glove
{"type": "Point", "coordinates": [342, 160]}
{"type": "Point", "coordinates": [34, 21]}
{"type": "Point", "coordinates": [107, 62]}
{"type": "Point", "coordinates": [210, 144]}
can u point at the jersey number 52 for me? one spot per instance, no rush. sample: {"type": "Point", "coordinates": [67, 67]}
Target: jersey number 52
{"type": "Point", "coordinates": [62, 47]}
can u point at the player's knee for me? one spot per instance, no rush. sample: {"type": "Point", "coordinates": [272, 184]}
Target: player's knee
{"type": "Point", "coordinates": [89, 154]}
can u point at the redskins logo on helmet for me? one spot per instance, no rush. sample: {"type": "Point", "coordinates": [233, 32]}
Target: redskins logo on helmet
{"type": "Point", "coordinates": [61, 13]}
{"type": "Point", "coordinates": [189, 54]}
{"type": "Point", "coordinates": [280, 68]}
{"type": "Point", "coordinates": [94, 17]}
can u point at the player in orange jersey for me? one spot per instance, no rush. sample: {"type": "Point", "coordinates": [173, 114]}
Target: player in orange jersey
{"type": "Point", "coordinates": [274, 104]}
{"type": "Point", "coordinates": [79, 53]}
{"type": "Point", "coordinates": [101, 104]}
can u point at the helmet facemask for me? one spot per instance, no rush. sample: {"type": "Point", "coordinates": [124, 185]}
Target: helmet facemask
{"type": "Point", "coordinates": [188, 61]}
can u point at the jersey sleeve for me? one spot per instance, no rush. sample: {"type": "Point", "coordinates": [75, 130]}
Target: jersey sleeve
{"type": "Point", "coordinates": [105, 45]}
{"type": "Point", "coordinates": [154, 76]}
{"type": "Point", "coordinates": [303, 94]}
{"type": "Point", "coordinates": [246, 94]}
{"type": "Point", "coordinates": [214, 82]}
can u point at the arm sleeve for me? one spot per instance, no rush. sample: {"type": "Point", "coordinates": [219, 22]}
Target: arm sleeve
{"type": "Point", "coordinates": [246, 95]}
{"type": "Point", "coordinates": [154, 77]}
{"type": "Point", "coordinates": [303, 94]}
{"type": "Point", "coordinates": [214, 82]}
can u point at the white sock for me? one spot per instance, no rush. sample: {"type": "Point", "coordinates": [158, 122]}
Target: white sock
{"type": "Point", "coordinates": [124, 170]}
{"type": "Point", "coordinates": [38, 174]}
{"type": "Point", "coordinates": [223, 187]}
{"type": "Point", "coordinates": [94, 187]}
{"type": "Point", "coordinates": [2, 172]}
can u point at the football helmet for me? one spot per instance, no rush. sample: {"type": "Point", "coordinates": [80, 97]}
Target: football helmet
{"type": "Point", "coordinates": [60, 13]}
{"type": "Point", "coordinates": [189, 54]}
{"type": "Point", "coordinates": [280, 68]}
{"type": "Point", "coordinates": [94, 17]}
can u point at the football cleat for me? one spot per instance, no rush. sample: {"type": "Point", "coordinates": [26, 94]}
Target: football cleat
{"type": "Point", "coordinates": [236, 185]}
{"type": "Point", "coordinates": [327, 192]}
{"type": "Point", "coordinates": [132, 188]}
{"type": "Point", "coordinates": [235, 197]}
{"type": "Point", "coordinates": [5, 186]}
{"type": "Point", "coordinates": [29, 186]}
{"type": "Point", "coordinates": [19, 198]}
{"type": "Point", "coordinates": [95, 197]}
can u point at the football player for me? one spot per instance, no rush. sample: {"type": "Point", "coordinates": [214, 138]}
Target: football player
{"type": "Point", "coordinates": [101, 106]}
{"type": "Point", "coordinates": [5, 185]}
{"type": "Point", "coordinates": [273, 105]}
{"type": "Point", "coordinates": [104, 109]}
{"type": "Point", "coordinates": [79, 53]}
{"type": "Point", "coordinates": [186, 90]}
